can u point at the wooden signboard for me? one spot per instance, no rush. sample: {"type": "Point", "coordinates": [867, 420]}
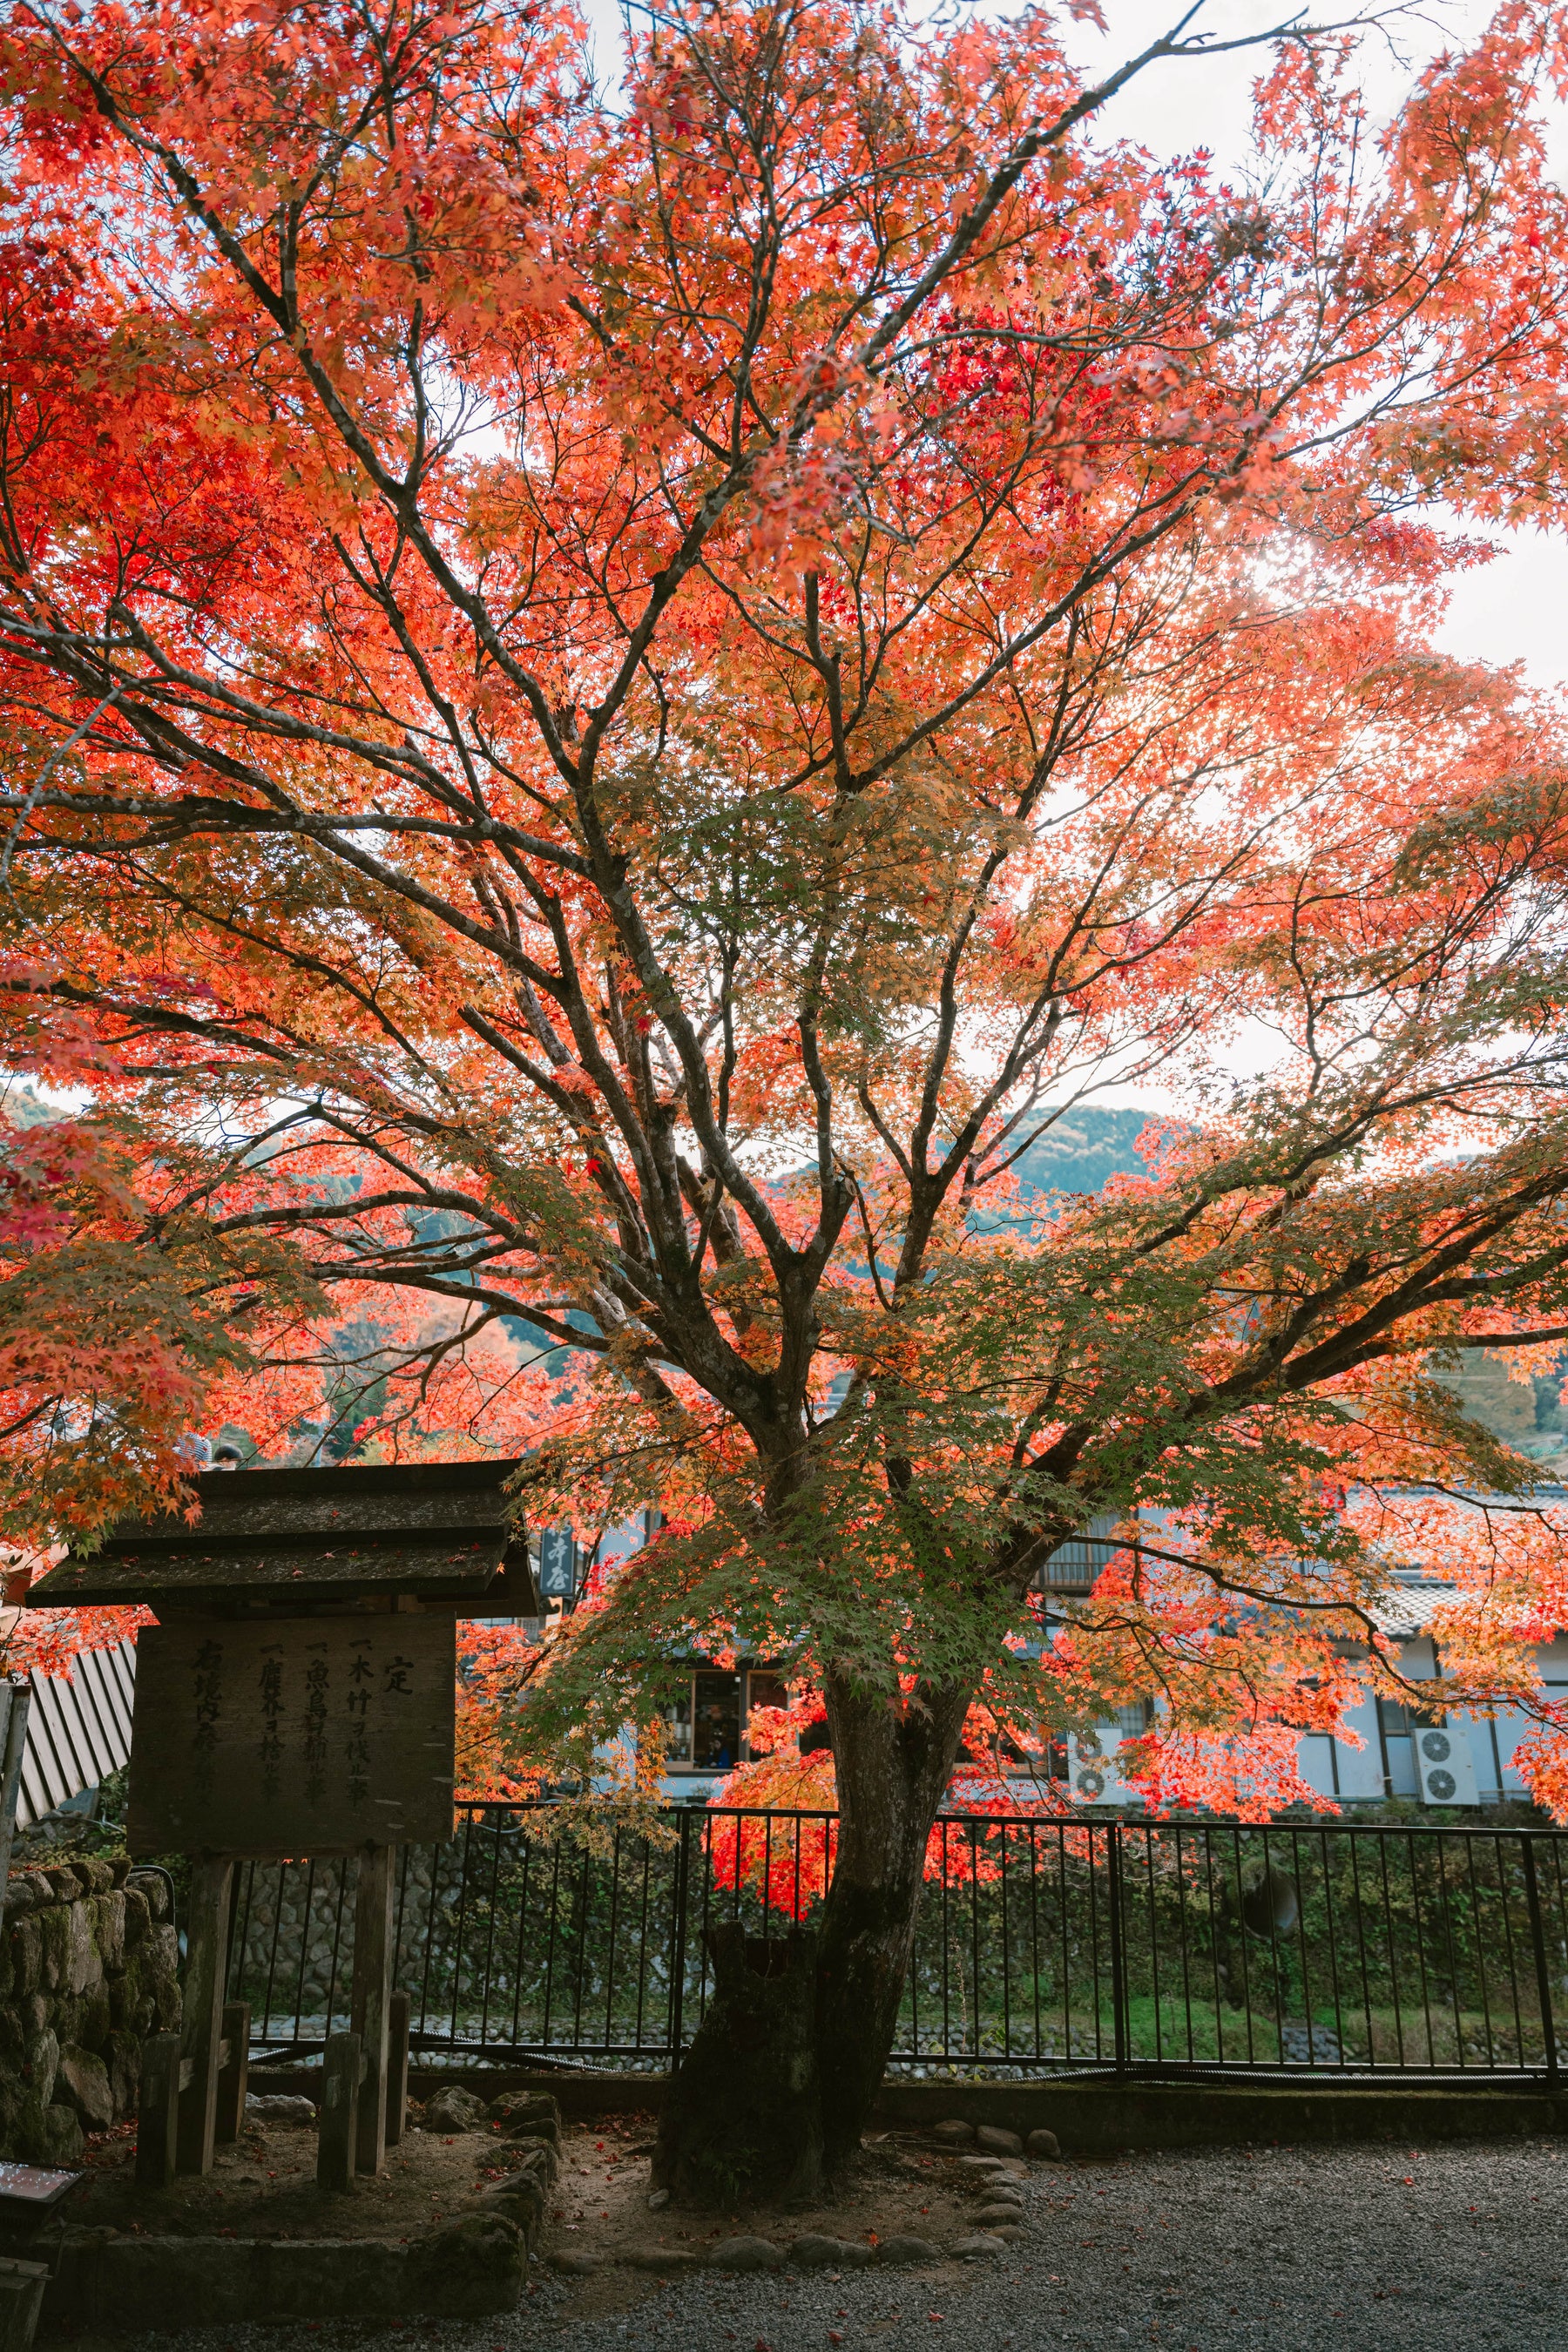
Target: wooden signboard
{"type": "Point", "coordinates": [296, 1736]}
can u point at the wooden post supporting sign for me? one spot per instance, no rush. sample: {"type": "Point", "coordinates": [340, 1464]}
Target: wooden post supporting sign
{"type": "Point", "coordinates": [399, 2013]}
{"type": "Point", "coordinates": [201, 2033]}
{"type": "Point", "coordinates": [234, 2073]}
{"type": "Point", "coordinates": [370, 1999]}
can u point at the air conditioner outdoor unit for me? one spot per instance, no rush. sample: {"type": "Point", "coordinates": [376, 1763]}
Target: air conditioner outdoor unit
{"type": "Point", "coordinates": [1096, 1779]}
{"type": "Point", "coordinates": [1445, 1765]}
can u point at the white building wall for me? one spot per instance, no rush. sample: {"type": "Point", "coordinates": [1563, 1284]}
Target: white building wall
{"type": "Point", "coordinates": [1482, 1763]}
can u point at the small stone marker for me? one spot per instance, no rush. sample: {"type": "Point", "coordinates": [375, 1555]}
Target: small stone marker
{"type": "Point", "coordinates": [339, 2114]}
{"type": "Point", "coordinates": [157, 2119]}
{"type": "Point", "coordinates": [22, 2288]}
{"type": "Point", "coordinates": [399, 2017]}
{"type": "Point", "coordinates": [1000, 2142]}
{"type": "Point", "coordinates": [1044, 2145]}
{"type": "Point", "coordinates": [955, 2131]}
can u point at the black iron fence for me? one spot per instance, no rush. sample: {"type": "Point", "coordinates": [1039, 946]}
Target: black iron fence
{"type": "Point", "coordinates": [1158, 1947]}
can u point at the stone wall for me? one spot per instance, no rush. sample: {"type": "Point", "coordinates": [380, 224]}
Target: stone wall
{"type": "Point", "coordinates": [88, 1961]}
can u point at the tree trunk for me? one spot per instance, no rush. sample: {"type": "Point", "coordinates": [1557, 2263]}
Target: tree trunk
{"type": "Point", "coordinates": [743, 2118]}
{"type": "Point", "coordinates": [775, 2085]}
{"type": "Point", "coordinates": [892, 1772]}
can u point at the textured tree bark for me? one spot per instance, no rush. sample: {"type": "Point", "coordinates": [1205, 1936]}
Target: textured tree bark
{"type": "Point", "coordinates": [744, 2117]}
{"type": "Point", "coordinates": [786, 2067]}
{"type": "Point", "coordinates": [892, 1770]}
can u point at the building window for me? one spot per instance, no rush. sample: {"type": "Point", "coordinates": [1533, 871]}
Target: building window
{"type": "Point", "coordinates": [707, 1718]}
{"type": "Point", "coordinates": [716, 1722]}
{"type": "Point", "coordinates": [1398, 1725]}
{"type": "Point", "coordinates": [1075, 1566]}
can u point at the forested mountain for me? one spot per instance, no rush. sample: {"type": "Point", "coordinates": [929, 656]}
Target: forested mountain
{"type": "Point", "coordinates": [1083, 1149]}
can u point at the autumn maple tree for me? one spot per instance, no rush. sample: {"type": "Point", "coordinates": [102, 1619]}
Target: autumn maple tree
{"type": "Point", "coordinates": [124, 1322]}
{"type": "Point", "coordinates": [615, 694]}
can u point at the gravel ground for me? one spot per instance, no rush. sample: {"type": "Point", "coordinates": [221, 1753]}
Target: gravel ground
{"type": "Point", "coordinates": [1298, 2250]}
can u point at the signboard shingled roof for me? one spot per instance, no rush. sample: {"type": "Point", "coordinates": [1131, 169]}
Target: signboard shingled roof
{"type": "Point", "coordinates": [439, 1532]}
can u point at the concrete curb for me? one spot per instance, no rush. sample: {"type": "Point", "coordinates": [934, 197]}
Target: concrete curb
{"type": "Point", "coordinates": [121, 2284]}
{"type": "Point", "coordinates": [1090, 2115]}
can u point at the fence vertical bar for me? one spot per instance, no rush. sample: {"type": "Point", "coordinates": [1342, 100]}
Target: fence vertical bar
{"type": "Point", "coordinates": [946, 1943]}
{"type": "Point", "coordinates": [1035, 1929]}
{"type": "Point", "coordinates": [1538, 1945]}
{"type": "Point", "coordinates": [974, 1932]}
{"type": "Point", "coordinates": [642, 1941]}
{"type": "Point", "coordinates": [610, 1943]}
{"type": "Point", "coordinates": [1007, 1977]}
{"type": "Point", "coordinates": [1483, 1978]}
{"type": "Point", "coordinates": [677, 1940]}
{"type": "Point", "coordinates": [520, 1958]}
{"type": "Point", "coordinates": [1113, 1928]}
{"type": "Point", "coordinates": [1154, 1935]}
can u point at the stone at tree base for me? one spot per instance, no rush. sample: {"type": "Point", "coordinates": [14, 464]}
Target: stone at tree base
{"type": "Point", "coordinates": [453, 2109]}
{"type": "Point", "coordinates": [520, 2199]}
{"type": "Point", "coordinates": [955, 2131]}
{"type": "Point", "coordinates": [531, 2115]}
{"type": "Point", "coordinates": [746, 2254]}
{"type": "Point", "coordinates": [813, 2252]}
{"type": "Point", "coordinates": [964, 2250]}
{"type": "Point", "coordinates": [83, 2078]}
{"type": "Point", "coordinates": [743, 2116]}
{"type": "Point", "coordinates": [999, 2142]}
{"type": "Point", "coordinates": [1043, 2144]}
{"type": "Point", "coordinates": [279, 2108]}
{"type": "Point", "coordinates": [906, 2249]}
{"type": "Point", "coordinates": [658, 2199]}
{"type": "Point", "coordinates": [540, 2156]}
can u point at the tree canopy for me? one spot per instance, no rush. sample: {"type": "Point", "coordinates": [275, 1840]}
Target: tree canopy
{"type": "Point", "coordinates": [616, 696]}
